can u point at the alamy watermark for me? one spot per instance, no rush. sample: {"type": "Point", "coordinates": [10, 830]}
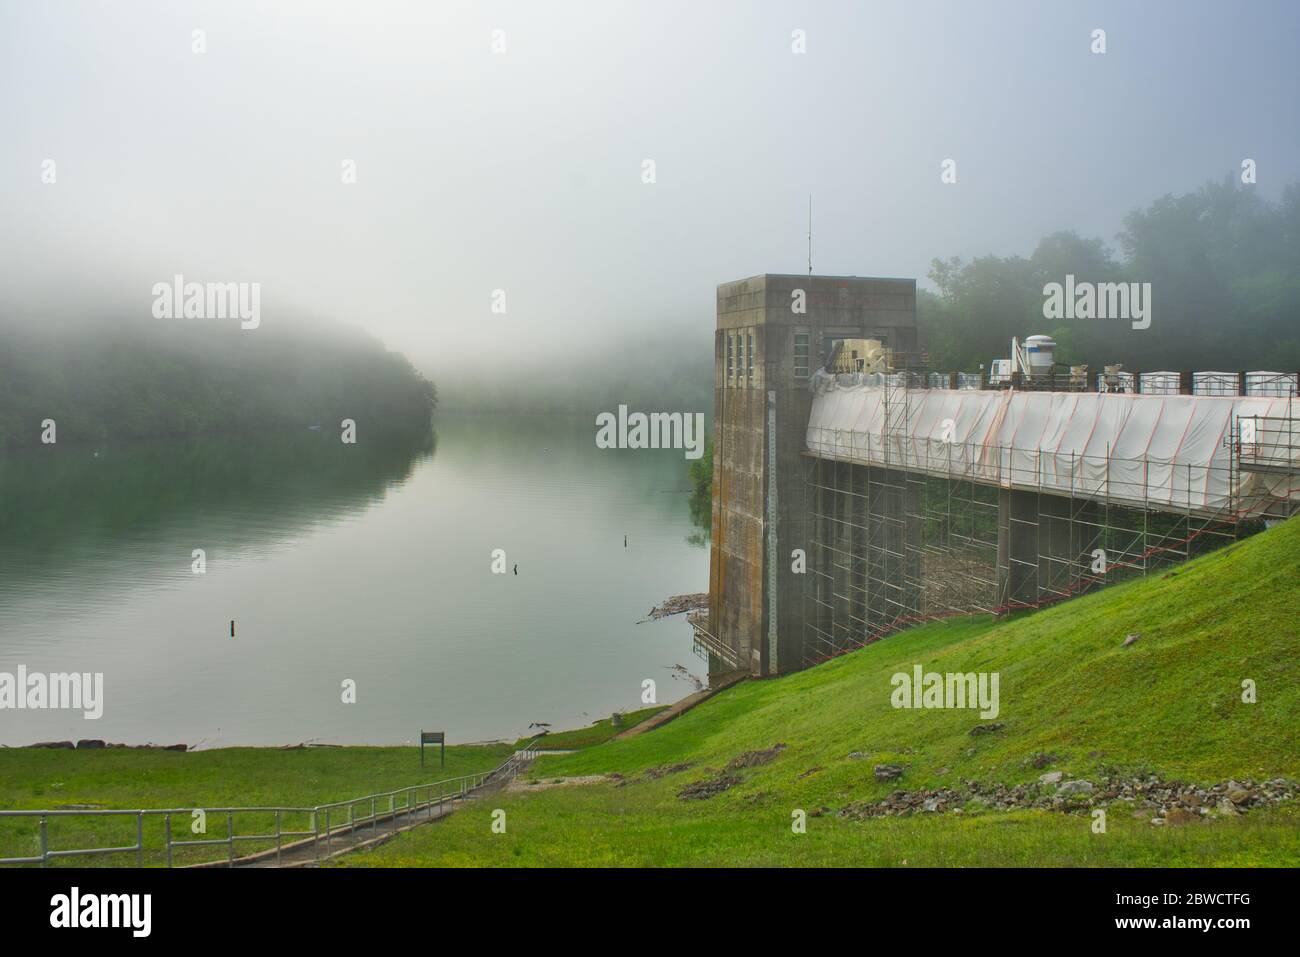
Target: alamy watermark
{"type": "Point", "coordinates": [208, 300]}
{"type": "Point", "coordinates": [58, 691]}
{"type": "Point", "coordinates": [1102, 300]}
{"type": "Point", "coordinates": [923, 689]}
{"type": "Point", "coordinates": [653, 430]}
{"type": "Point", "coordinates": [75, 909]}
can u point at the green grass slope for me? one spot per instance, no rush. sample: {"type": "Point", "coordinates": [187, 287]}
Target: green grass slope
{"type": "Point", "coordinates": [1170, 704]}
{"type": "Point", "coordinates": [222, 777]}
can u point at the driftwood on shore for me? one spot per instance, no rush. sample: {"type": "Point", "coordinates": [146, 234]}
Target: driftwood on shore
{"type": "Point", "coordinates": [677, 605]}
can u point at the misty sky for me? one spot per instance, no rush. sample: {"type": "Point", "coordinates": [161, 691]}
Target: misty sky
{"type": "Point", "coordinates": [523, 170]}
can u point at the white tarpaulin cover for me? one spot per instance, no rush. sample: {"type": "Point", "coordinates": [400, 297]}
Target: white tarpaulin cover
{"type": "Point", "coordinates": [1162, 450]}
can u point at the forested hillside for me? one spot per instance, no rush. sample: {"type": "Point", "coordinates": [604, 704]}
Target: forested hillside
{"type": "Point", "coordinates": [1224, 269]}
{"type": "Point", "coordinates": [112, 381]}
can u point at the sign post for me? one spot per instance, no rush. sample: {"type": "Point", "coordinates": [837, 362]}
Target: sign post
{"type": "Point", "coordinates": [434, 737]}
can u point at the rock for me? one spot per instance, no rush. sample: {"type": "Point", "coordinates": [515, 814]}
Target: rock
{"type": "Point", "coordinates": [653, 774]}
{"type": "Point", "coordinates": [752, 759]}
{"type": "Point", "coordinates": [931, 804]}
{"type": "Point", "coordinates": [52, 744]}
{"type": "Point", "coordinates": [176, 747]}
{"type": "Point", "coordinates": [888, 772]}
{"type": "Point", "coordinates": [1051, 777]}
{"type": "Point", "coordinates": [1075, 787]}
{"type": "Point", "coordinates": [89, 744]}
{"type": "Point", "coordinates": [940, 772]}
{"type": "Point", "coordinates": [1130, 639]}
{"type": "Point", "coordinates": [857, 755]}
{"type": "Point", "coordinates": [1178, 815]}
{"type": "Point", "coordinates": [703, 790]}
{"type": "Point", "coordinates": [810, 771]}
{"type": "Point", "coordinates": [1238, 795]}
{"type": "Point", "coordinates": [1227, 808]}
{"type": "Point", "coordinates": [987, 728]}
{"type": "Point", "coordinates": [1043, 760]}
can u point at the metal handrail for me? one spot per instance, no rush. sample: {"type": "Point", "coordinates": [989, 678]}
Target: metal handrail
{"type": "Point", "coordinates": [460, 788]}
{"type": "Point", "coordinates": [712, 644]}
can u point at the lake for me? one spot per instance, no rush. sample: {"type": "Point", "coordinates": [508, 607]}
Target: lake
{"type": "Point", "coordinates": [369, 563]}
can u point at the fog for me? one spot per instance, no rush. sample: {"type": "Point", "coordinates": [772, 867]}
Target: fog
{"type": "Point", "coordinates": [522, 170]}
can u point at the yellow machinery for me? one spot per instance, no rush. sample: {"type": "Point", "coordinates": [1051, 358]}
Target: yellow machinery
{"type": "Point", "coordinates": [858, 355]}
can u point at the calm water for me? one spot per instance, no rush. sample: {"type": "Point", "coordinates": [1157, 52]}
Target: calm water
{"type": "Point", "coordinates": [369, 562]}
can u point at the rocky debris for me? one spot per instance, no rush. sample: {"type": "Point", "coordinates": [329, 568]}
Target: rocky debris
{"type": "Point", "coordinates": [663, 770]}
{"type": "Point", "coordinates": [753, 759]}
{"type": "Point", "coordinates": [986, 728]}
{"type": "Point", "coordinates": [682, 673]}
{"type": "Point", "coordinates": [1130, 639]}
{"type": "Point", "coordinates": [1172, 802]}
{"type": "Point", "coordinates": [678, 604]}
{"type": "Point", "coordinates": [709, 787]}
{"type": "Point", "coordinates": [1074, 787]}
{"type": "Point", "coordinates": [888, 772]}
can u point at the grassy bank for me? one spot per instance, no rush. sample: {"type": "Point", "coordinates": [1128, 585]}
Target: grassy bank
{"type": "Point", "coordinates": [225, 777]}
{"type": "Point", "coordinates": [1072, 699]}
{"type": "Point", "coordinates": [598, 732]}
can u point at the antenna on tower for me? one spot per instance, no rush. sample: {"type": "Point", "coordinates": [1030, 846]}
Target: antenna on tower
{"type": "Point", "coordinates": [810, 234]}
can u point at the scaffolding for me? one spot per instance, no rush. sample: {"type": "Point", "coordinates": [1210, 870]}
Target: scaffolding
{"type": "Point", "coordinates": [897, 541]}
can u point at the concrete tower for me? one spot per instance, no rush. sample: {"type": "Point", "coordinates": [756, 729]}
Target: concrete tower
{"type": "Point", "coordinates": [773, 332]}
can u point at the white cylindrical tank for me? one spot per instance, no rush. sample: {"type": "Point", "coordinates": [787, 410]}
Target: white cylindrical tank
{"type": "Point", "coordinates": [1041, 351]}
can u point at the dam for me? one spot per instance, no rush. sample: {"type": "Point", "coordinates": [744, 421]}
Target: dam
{"type": "Point", "coordinates": [852, 500]}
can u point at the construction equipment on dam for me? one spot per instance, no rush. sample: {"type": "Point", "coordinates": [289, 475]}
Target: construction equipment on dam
{"type": "Point", "coordinates": [856, 491]}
